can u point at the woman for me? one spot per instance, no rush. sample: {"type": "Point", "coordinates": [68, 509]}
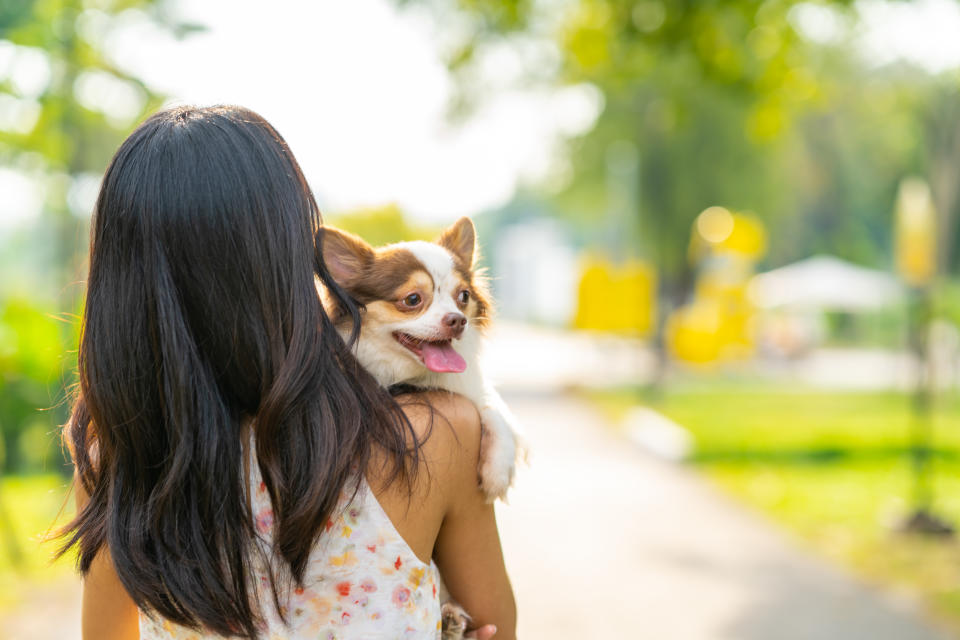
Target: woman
{"type": "Point", "coordinates": [238, 474]}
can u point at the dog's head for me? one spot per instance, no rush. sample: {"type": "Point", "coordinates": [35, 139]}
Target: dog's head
{"type": "Point", "coordinates": [423, 301]}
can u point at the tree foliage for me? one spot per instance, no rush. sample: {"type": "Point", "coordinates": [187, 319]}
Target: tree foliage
{"type": "Point", "coordinates": [65, 105]}
{"type": "Point", "coordinates": [69, 121]}
{"type": "Point", "coordinates": [721, 102]}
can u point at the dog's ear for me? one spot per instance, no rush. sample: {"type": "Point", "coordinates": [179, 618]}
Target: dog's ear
{"type": "Point", "coordinates": [461, 240]}
{"type": "Point", "coordinates": [346, 256]}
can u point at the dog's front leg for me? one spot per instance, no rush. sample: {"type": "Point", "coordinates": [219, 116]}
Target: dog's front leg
{"type": "Point", "coordinates": [501, 442]}
{"type": "Point", "coordinates": [501, 445]}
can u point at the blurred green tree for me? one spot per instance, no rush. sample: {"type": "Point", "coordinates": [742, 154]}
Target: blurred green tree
{"type": "Point", "coordinates": [65, 104]}
{"type": "Point", "coordinates": [732, 103]}
{"type": "Point", "coordinates": [31, 353]}
{"type": "Point", "coordinates": [941, 122]}
{"type": "Point", "coordinates": [380, 225]}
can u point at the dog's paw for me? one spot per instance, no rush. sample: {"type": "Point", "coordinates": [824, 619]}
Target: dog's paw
{"type": "Point", "coordinates": [498, 454]}
{"type": "Point", "coordinates": [495, 481]}
{"type": "Point", "coordinates": [454, 619]}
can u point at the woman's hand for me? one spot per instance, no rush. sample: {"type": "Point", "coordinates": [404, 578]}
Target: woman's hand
{"type": "Point", "coordinates": [485, 632]}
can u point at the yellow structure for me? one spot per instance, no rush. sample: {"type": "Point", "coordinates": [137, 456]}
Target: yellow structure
{"type": "Point", "coordinates": [616, 298]}
{"type": "Point", "coordinates": [916, 231]}
{"type": "Point", "coordinates": [715, 326]}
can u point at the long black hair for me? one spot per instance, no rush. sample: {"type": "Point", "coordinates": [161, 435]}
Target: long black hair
{"type": "Point", "coordinates": [202, 317]}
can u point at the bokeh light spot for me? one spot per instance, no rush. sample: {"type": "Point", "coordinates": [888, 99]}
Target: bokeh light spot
{"type": "Point", "coordinates": [715, 224]}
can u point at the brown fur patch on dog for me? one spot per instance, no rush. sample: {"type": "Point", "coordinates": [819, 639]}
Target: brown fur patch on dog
{"type": "Point", "coordinates": [391, 269]}
{"type": "Point", "coordinates": [480, 295]}
{"type": "Point", "coordinates": [419, 283]}
{"type": "Point", "coordinates": [460, 239]}
{"type": "Point", "coordinates": [384, 312]}
{"type": "Point", "coordinates": [346, 256]}
{"type": "Point", "coordinates": [369, 274]}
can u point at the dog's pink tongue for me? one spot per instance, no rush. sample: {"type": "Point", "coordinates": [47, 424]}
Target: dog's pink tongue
{"type": "Point", "coordinates": [440, 357]}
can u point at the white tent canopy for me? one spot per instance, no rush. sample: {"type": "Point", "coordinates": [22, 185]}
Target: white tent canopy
{"type": "Point", "coordinates": [825, 283]}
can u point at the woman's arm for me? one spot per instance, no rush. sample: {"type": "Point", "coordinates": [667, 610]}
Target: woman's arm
{"type": "Point", "coordinates": [467, 549]}
{"type": "Point", "coordinates": [107, 612]}
{"type": "Point", "coordinates": [452, 521]}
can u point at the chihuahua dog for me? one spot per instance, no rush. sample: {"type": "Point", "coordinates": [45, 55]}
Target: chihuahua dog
{"type": "Point", "coordinates": [424, 310]}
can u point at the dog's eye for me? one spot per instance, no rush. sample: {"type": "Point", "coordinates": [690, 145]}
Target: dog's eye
{"type": "Point", "coordinates": [412, 300]}
{"type": "Point", "coordinates": [463, 297]}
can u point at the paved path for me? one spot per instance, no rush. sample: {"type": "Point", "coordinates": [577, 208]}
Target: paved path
{"type": "Point", "coordinates": [520, 356]}
{"type": "Point", "coordinates": [604, 542]}
{"type": "Point", "coordinates": [533, 358]}
{"type": "Point", "coordinates": [48, 612]}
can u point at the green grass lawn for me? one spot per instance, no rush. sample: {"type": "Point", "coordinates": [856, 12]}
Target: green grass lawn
{"type": "Point", "coordinates": [29, 506]}
{"type": "Point", "coordinates": [831, 467]}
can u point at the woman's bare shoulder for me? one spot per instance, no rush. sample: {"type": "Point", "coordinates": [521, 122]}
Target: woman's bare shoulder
{"type": "Point", "coordinates": [467, 544]}
{"type": "Point", "coordinates": [447, 429]}
{"type": "Point", "coordinates": [447, 426]}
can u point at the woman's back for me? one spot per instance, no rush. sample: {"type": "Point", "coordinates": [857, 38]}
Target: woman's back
{"type": "Point", "coordinates": [362, 581]}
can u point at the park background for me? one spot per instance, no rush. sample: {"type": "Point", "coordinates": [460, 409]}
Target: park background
{"type": "Point", "coordinates": [722, 236]}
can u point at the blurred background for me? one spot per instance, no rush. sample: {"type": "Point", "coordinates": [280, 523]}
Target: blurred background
{"type": "Point", "coordinates": [722, 236]}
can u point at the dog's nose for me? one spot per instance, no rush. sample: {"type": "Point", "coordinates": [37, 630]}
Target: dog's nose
{"type": "Point", "coordinates": [455, 322]}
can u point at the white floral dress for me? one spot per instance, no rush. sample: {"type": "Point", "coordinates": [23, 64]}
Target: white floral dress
{"type": "Point", "coordinates": [362, 581]}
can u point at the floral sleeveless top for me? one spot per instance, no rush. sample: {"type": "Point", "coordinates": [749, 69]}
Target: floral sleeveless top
{"type": "Point", "coordinates": [362, 582]}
